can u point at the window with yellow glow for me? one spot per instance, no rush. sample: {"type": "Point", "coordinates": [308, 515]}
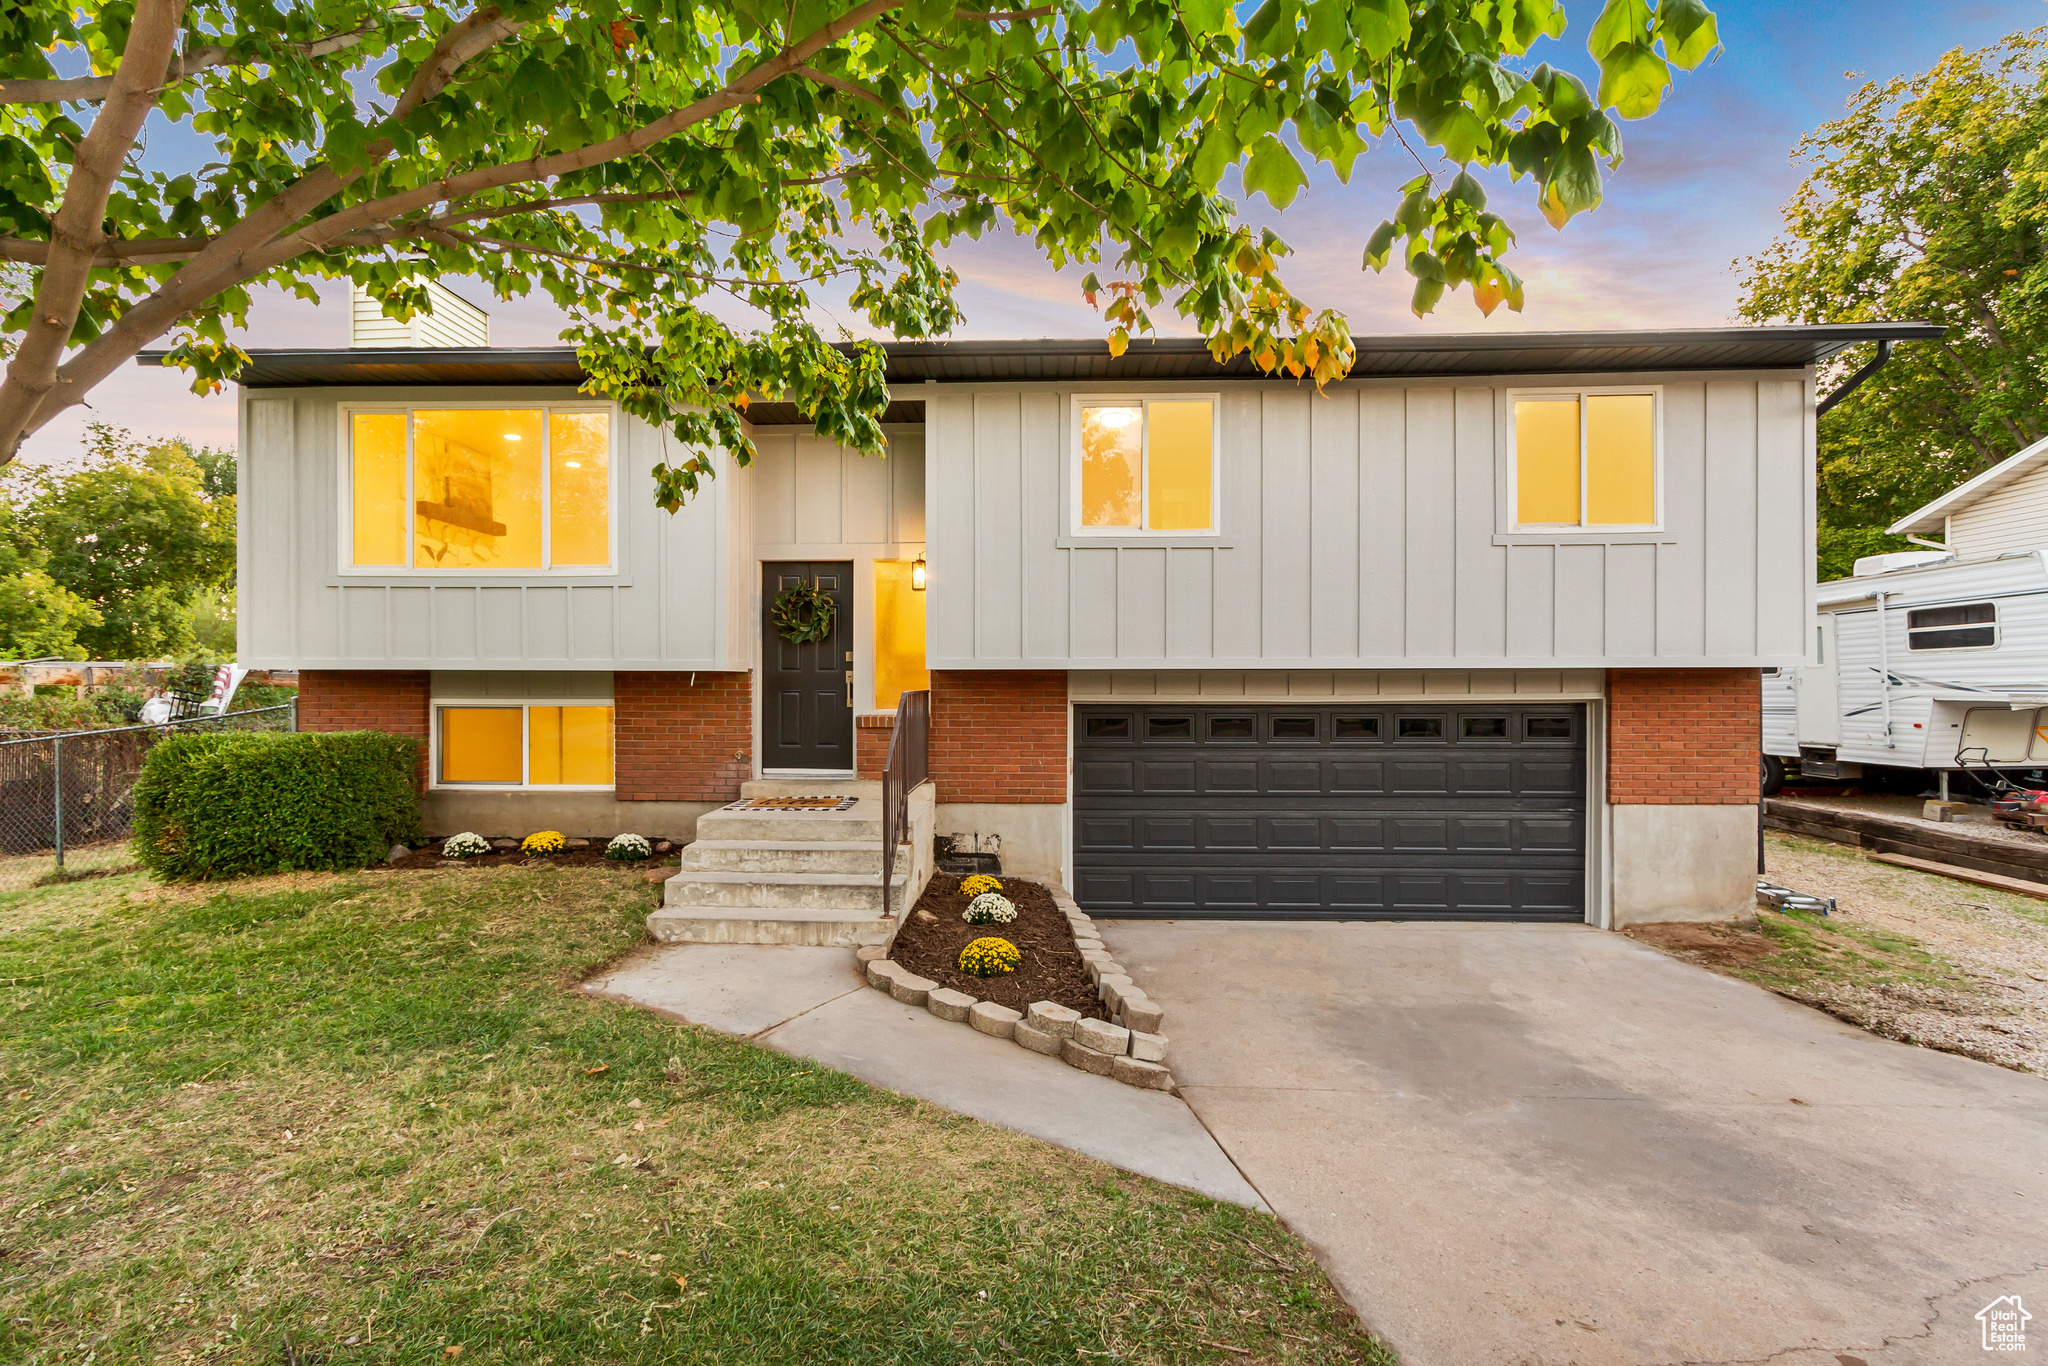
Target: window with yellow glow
{"type": "Point", "coordinates": [1147, 465]}
{"type": "Point", "coordinates": [899, 635]}
{"type": "Point", "coordinates": [482, 744]}
{"type": "Point", "coordinates": [1586, 460]}
{"type": "Point", "coordinates": [525, 745]}
{"type": "Point", "coordinates": [477, 489]}
{"type": "Point", "coordinates": [377, 488]}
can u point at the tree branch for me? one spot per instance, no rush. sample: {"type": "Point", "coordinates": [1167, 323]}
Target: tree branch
{"type": "Point", "coordinates": [92, 89]}
{"type": "Point", "coordinates": [850, 88]}
{"type": "Point", "coordinates": [483, 30]}
{"type": "Point", "coordinates": [252, 247]}
{"type": "Point", "coordinates": [76, 231]}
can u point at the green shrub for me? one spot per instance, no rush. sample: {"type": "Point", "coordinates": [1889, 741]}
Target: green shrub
{"type": "Point", "coordinates": [224, 805]}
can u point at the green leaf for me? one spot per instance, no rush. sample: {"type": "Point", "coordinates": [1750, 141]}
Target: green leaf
{"type": "Point", "coordinates": [1270, 31]}
{"type": "Point", "coordinates": [1564, 94]}
{"type": "Point", "coordinates": [1466, 190]}
{"type": "Point", "coordinates": [1106, 26]}
{"type": "Point", "coordinates": [1622, 21]}
{"type": "Point", "coordinates": [1427, 292]}
{"type": "Point", "coordinates": [1380, 246]}
{"type": "Point", "coordinates": [1218, 151]}
{"type": "Point", "coordinates": [1573, 186]}
{"type": "Point", "coordinates": [1204, 17]}
{"type": "Point", "coordinates": [1381, 26]}
{"type": "Point", "coordinates": [1460, 132]}
{"type": "Point", "coordinates": [1273, 172]}
{"type": "Point", "coordinates": [1689, 30]}
{"type": "Point", "coordinates": [1328, 26]}
{"type": "Point", "coordinates": [1633, 80]}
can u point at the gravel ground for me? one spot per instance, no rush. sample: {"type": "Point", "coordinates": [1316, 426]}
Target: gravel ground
{"type": "Point", "coordinates": [1985, 993]}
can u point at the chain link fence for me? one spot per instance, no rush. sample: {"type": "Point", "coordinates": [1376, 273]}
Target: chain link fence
{"type": "Point", "coordinates": [77, 789]}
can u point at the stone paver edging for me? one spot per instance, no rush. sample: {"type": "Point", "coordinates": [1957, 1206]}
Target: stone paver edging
{"type": "Point", "coordinates": [1128, 1047]}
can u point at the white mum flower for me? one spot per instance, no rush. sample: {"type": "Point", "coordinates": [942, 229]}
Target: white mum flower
{"type": "Point", "coordinates": [990, 908]}
{"type": "Point", "coordinates": [465, 845]}
{"type": "Point", "coordinates": [628, 848]}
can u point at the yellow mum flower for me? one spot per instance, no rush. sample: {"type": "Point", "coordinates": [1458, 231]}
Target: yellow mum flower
{"type": "Point", "coordinates": [990, 957]}
{"type": "Point", "coordinates": [978, 884]}
{"type": "Point", "coordinates": [543, 842]}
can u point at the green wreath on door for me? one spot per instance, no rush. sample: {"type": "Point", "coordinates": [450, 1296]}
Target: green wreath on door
{"type": "Point", "coordinates": [803, 614]}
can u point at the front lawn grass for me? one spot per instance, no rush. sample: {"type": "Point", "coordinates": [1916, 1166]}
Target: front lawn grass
{"type": "Point", "coordinates": [366, 1118]}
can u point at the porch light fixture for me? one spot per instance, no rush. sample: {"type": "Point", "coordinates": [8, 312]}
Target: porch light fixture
{"type": "Point", "coordinates": [917, 573]}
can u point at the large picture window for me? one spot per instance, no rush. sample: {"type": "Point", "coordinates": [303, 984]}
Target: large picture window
{"type": "Point", "coordinates": [480, 489]}
{"type": "Point", "coordinates": [1145, 465]}
{"type": "Point", "coordinates": [522, 744]}
{"type": "Point", "coordinates": [1585, 461]}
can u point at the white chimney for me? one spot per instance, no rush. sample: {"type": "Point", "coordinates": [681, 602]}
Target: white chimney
{"type": "Point", "coordinates": [454, 321]}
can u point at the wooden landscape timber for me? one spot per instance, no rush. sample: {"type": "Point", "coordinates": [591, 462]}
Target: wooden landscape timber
{"type": "Point", "coordinates": [1891, 835]}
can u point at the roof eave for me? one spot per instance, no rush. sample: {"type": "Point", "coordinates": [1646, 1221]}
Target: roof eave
{"type": "Point", "coordinates": [1935, 515]}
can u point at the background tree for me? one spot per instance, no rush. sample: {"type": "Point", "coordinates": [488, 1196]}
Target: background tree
{"type": "Point", "coordinates": [131, 537]}
{"type": "Point", "coordinates": [634, 165]}
{"type": "Point", "coordinates": [1928, 200]}
{"type": "Point", "coordinates": [39, 617]}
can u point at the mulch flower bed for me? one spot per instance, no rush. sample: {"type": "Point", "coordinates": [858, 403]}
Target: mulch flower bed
{"type": "Point", "coordinates": [430, 857]}
{"type": "Point", "coordinates": [933, 934]}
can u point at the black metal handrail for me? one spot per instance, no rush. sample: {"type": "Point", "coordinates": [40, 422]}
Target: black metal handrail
{"type": "Point", "coordinates": [908, 764]}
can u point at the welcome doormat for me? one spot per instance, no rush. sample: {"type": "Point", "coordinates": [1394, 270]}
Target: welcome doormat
{"type": "Point", "coordinates": [794, 804]}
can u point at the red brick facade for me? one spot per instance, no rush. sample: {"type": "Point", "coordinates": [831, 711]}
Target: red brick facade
{"type": "Point", "coordinates": [999, 736]}
{"type": "Point", "coordinates": [393, 701]}
{"type": "Point", "coordinates": [1682, 737]}
{"type": "Point", "coordinates": [682, 743]}
{"type": "Point", "coordinates": [871, 737]}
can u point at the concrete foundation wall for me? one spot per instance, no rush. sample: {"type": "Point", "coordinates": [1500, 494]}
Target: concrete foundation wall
{"type": "Point", "coordinates": [590, 815]}
{"type": "Point", "coordinates": [1683, 863]}
{"type": "Point", "coordinates": [1033, 834]}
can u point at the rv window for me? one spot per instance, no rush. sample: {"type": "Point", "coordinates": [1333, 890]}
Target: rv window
{"type": "Point", "coordinates": [1966, 626]}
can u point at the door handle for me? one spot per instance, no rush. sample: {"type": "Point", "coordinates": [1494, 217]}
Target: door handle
{"type": "Point", "coordinates": [849, 689]}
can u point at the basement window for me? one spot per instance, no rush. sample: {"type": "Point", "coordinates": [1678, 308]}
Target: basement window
{"type": "Point", "coordinates": [515, 744]}
{"type": "Point", "coordinates": [1964, 626]}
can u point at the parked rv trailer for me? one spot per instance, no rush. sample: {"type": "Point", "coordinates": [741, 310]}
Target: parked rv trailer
{"type": "Point", "coordinates": [1920, 660]}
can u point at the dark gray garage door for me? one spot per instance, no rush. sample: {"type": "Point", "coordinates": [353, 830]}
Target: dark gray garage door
{"type": "Point", "coordinates": [1385, 811]}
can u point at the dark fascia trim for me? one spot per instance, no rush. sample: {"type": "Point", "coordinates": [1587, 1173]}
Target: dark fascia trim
{"type": "Point", "coordinates": [1535, 352]}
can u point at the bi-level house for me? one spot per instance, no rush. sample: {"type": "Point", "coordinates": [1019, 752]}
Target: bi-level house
{"type": "Point", "coordinates": [1472, 634]}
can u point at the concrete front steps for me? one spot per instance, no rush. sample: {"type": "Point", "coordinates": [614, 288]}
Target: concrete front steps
{"type": "Point", "coordinates": [785, 877]}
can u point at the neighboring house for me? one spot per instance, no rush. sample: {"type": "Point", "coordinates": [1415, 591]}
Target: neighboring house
{"type": "Point", "coordinates": [1475, 633]}
{"type": "Point", "coordinates": [1934, 658]}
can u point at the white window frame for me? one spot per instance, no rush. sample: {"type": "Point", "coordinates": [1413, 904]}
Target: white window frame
{"type": "Point", "coordinates": [1510, 513]}
{"type": "Point", "coordinates": [1143, 402]}
{"type": "Point", "coordinates": [525, 706]}
{"type": "Point", "coordinates": [1996, 625]}
{"type": "Point", "coordinates": [345, 483]}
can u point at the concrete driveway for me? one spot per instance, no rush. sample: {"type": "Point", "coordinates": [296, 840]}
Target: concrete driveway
{"type": "Point", "coordinates": [1551, 1144]}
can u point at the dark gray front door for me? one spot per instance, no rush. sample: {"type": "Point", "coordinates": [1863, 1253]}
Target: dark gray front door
{"type": "Point", "coordinates": [1380, 811]}
{"type": "Point", "coordinates": [806, 709]}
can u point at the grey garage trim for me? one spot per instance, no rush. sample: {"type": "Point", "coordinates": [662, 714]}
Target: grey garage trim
{"type": "Point", "coordinates": [1373, 810]}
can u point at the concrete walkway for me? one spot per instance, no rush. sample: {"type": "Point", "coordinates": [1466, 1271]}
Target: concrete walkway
{"type": "Point", "coordinates": [1550, 1144]}
{"type": "Point", "coordinates": [808, 1002]}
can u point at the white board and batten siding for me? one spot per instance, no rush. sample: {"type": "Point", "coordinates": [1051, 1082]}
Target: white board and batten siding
{"type": "Point", "coordinates": [2011, 518]}
{"type": "Point", "coordinates": [1359, 530]}
{"type": "Point", "coordinates": [811, 499]}
{"type": "Point", "coordinates": [669, 603]}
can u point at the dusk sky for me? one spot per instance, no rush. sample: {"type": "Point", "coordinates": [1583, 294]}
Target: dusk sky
{"type": "Point", "coordinates": [1700, 189]}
